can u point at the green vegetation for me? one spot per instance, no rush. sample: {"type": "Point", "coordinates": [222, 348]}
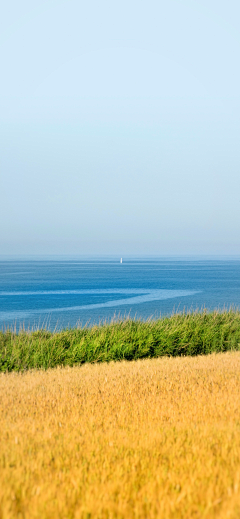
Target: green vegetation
{"type": "Point", "coordinates": [189, 333]}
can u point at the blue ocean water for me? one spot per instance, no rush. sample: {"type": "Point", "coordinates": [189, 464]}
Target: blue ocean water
{"type": "Point", "coordinates": [64, 293]}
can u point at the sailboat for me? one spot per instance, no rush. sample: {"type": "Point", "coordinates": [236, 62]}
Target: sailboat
{"type": "Point", "coordinates": [121, 260]}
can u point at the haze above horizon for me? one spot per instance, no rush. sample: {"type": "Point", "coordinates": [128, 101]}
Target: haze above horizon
{"type": "Point", "coordinates": [119, 128]}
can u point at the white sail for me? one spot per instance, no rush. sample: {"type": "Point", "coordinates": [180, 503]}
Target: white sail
{"type": "Point", "coordinates": [121, 260]}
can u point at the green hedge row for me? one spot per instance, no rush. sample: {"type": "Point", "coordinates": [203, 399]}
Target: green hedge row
{"type": "Point", "coordinates": [194, 333]}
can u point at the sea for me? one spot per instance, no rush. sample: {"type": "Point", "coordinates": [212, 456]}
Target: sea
{"type": "Point", "coordinates": [63, 293]}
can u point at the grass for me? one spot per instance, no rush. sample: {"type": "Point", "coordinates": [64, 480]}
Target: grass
{"type": "Point", "coordinates": [153, 438]}
{"type": "Point", "coordinates": [194, 333]}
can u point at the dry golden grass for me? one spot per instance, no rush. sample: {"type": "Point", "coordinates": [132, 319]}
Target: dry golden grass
{"type": "Point", "coordinates": [147, 439]}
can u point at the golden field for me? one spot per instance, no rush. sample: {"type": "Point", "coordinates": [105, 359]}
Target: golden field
{"type": "Point", "coordinates": [146, 439]}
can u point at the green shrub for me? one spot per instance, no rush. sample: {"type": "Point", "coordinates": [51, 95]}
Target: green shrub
{"type": "Point", "coordinates": [195, 333]}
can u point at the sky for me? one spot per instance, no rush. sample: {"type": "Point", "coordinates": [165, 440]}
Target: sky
{"type": "Point", "coordinates": [120, 127]}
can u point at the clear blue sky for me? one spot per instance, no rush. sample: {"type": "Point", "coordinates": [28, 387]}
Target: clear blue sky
{"type": "Point", "coordinates": [120, 127]}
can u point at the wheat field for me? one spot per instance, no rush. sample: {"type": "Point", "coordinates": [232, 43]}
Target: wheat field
{"type": "Point", "coordinates": [147, 439]}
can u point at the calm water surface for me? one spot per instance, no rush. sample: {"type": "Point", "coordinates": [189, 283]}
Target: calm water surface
{"type": "Point", "coordinates": [62, 293]}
